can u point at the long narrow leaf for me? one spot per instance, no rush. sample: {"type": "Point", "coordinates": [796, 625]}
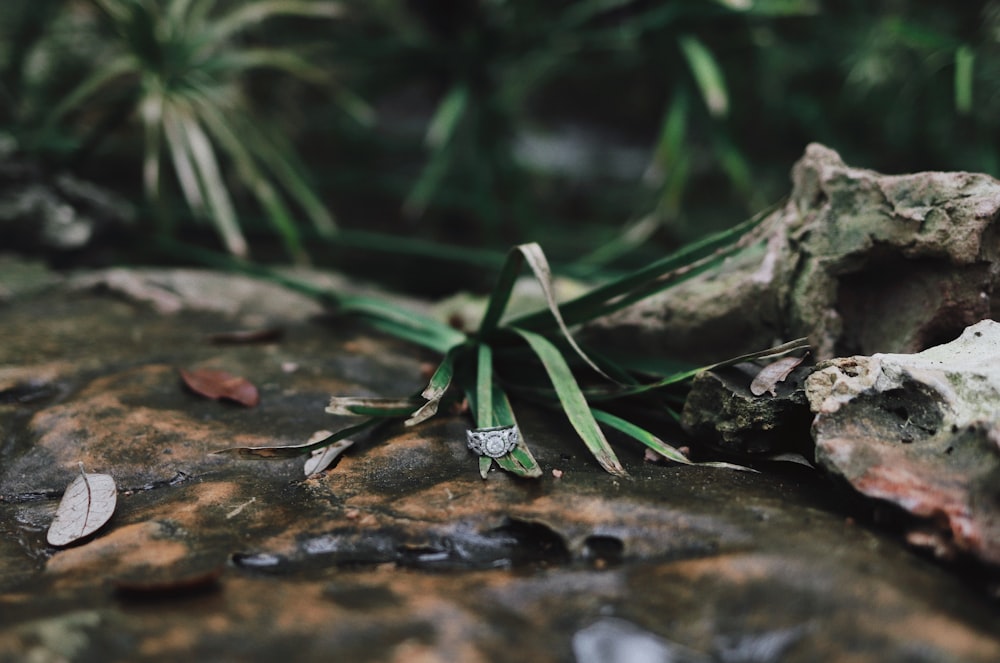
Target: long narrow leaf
{"type": "Point", "coordinates": [604, 298]}
{"type": "Point", "coordinates": [682, 376]}
{"type": "Point", "coordinates": [293, 451]}
{"type": "Point", "coordinates": [640, 434]}
{"type": "Point", "coordinates": [251, 174]}
{"type": "Point", "coordinates": [573, 402]}
{"type": "Point", "coordinates": [484, 387]}
{"type": "Point", "coordinates": [436, 388]}
{"type": "Point", "coordinates": [707, 75]}
{"type": "Point", "coordinates": [248, 14]}
{"type": "Point", "coordinates": [532, 254]}
{"type": "Point", "coordinates": [656, 444]}
{"type": "Point", "coordinates": [519, 461]}
{"type": "Point", "coordinates": [207, 168]}
{"type": "Point", "coordinates": [108, 72]}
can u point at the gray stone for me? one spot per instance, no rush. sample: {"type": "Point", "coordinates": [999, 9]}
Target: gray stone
{"type": "Point", "coordinates": [858, 261]}
{"type": "Point", "coordinates": [401, 552]}
{"type": "Point", "coordinates": [920, 431]}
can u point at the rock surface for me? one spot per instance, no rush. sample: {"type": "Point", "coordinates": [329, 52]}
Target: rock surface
{"type": "Point", "coordinates": [858, 261]}
{"type": "Point", "coordinates": [921, 431]}
{"type": "Point", "coordinates": [401, 552]}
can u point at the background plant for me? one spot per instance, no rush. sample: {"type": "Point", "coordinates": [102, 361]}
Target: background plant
{"type": "Point", "coordinates": [180, 68]}
{"type": "Point", "coordinates": [610, 131]}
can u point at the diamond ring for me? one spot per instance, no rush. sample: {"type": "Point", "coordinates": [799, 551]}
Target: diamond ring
{"type": "Point", "coordinates": [493, 442]}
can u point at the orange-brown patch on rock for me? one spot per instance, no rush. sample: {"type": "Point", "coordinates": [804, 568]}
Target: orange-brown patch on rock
{"type": "Point", "coordinates": [117, 552]}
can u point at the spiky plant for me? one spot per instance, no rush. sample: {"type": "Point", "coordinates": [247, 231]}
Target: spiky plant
{"type": "Point", "coordinates": [181, 66]}
{"type": "Point", "coordinates": [516, 353]}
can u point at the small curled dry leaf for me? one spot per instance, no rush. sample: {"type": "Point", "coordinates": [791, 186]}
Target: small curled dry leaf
{"type": "Point", "coordinates": [771, 375]}
{"type": "Point", "coordinates": [322, 458]}
{"type": "Point", "coordinates": [216, 384]}
{"type": "Point", "coordinates": [88, 503]}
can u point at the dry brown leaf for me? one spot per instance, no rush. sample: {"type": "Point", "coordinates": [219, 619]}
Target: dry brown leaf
{"type": "Point", "coordinates": [245, 336]}
{"type": "Point", "coordinates": [767, 380]}
{"type": "Point", "coordinates": [86, 505]}
{"type": "Point", "coordinates": [216, 384]}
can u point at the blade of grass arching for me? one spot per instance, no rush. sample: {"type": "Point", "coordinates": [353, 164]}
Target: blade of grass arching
{"type": "Point", "coordinates": [707, 75]}
{"type": "Point", "coordinates": [484, 387]}
{"type": "Point", "coordinates": [117, 67]}
{"type": "Point", "coordinates": [207, 169]}
{"type": "Point", "coordinates": [682, 376]}
{"type": "Point", "coordinates": [183, 166]}
{"type": "Point", "coordinates": [248, 14]}
{"type": "Point", "coordinates": [382, 310]}
{"type": "Point", "coordinates": [423, 338]}
{"type": "Point", "coordinates": [502, 290]}
{"type": "Point", "coordinates": [293, 451]}
{"type": "Point", "coordinates": [583, 308]}
{"type": "Point", "coordinates": [279, 59]}
{"type": "Point", "coordinates": [519, 461]}
{"type": "Point", "coordinates": [354, 406]}
{"type": "Point", "coordinates": [668, 451]}
{"type": "Point", "coordinates": [279, 159]}
{"type": "Point", "coordinates": [532, 254]}
{"type": "Point", "coordinates": [573, 402]}
{"type": "Point", "coordinates": [235, 146]}
{"type": "Point", "coordinates": [642, 435]}
{"type": "Point", "coordinates": [436, 388]}
{"type": "Point", "coordinates": [447, 117]}
{"type": "Point", "coordinates": [440, 131]}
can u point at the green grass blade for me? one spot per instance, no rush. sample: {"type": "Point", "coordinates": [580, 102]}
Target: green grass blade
{"type": "Point", "coordinates": [484, 387]}
{"type": "Point", "coordinates": [682, 376]}
{"type": "Point", "coordinates": [108, 72]}
{"type": "Point", "coordinates": [382, 310]}
{"type": "Point", "coordinates": [519, 461]}
{"type": "Point", "coordinates": [656, 444]}
{"type": "Point", "coordinates": [707, 75]}
{"type": "Point", "coordinates": [501, 292]}
{"type": "Point", "coordinates": [573, 402]}
{"type": "Point", "coordinates": [293, 451]}
{"type": "Point", "coordinates": [447, 117]}
{"type": "Point", "coordinates": [965, 60]}
{"type": "Point", "coordinates": [640, 434]}
{"type": "Point", "coordinates": [606, 298]}
{"type": "Point", "coordinates": [209, 174]}
{"type": "Point", "coordinates": [532, 254]}
{"type": "Point", "coordinates": [246, 15]}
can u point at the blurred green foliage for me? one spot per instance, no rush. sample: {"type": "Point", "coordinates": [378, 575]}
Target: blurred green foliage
{"type": "Point", "coordinates": [607, 130]}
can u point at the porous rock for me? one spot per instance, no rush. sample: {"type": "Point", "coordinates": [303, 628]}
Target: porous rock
{"type": "Point", "coordinates": [858, 261]}
{"type": "Point", "coordinates": [921, 431]}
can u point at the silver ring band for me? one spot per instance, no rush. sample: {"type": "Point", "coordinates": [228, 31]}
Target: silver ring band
{"type": "Point", "coordinates": [493, 442]}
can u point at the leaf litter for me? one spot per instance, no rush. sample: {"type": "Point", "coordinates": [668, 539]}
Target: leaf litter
{"type": "Point", "coordinates": [221, 385]}
{"type": "Point", "coordinates": [87, 504]}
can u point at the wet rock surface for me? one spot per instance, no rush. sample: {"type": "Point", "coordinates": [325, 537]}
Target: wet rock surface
{"type": "Point", "coordinates": [858, 261]}
{"type": "Point", "coordinates": [401, 552]}
{"type": "Point", "coordinates": [922, 432]}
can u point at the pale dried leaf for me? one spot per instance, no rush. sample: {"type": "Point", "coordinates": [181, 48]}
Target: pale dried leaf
{"type": "Point", "coordinates": [320, 459]}
{"type": "Point", "coordinates": [86, 505]}
{"type": "Point", "coordinates": [772, 374]}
